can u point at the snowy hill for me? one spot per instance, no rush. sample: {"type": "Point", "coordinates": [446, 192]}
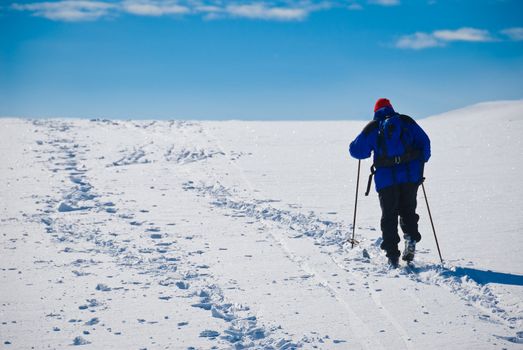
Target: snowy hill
{"type": "Point", "coordinates": [177, 235]}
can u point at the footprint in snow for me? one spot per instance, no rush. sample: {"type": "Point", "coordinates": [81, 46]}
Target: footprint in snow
{"type": "Point", "coordinates": [209, 334]}
{"type": "Point", "coordinates": [182, 285]}
{"type": "Point", "coordinates": [80, 341]}
{"type": "Point", "coordinates": [102, 287]}
{"type": "Point", "coordinates": [92, 321]}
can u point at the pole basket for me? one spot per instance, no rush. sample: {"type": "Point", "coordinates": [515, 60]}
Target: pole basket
{"type": "Point", "coordinates": [353, 242]}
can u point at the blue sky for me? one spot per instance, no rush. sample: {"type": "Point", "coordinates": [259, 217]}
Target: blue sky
{"type": "Point", "coordinates": [262, 60]}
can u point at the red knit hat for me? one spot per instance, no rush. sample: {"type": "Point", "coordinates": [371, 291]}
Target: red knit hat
{"type": "Point", "coordinates": [382, 102]}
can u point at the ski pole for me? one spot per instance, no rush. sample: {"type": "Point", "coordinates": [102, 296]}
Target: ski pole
{"type": "Point", "coordinates": [352, 241]}
{"type": "Point", "coordinates": [430, 216]}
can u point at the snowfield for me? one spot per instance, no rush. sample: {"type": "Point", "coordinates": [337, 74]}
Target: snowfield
{"type": "Point", "coordinates": [231, 235]}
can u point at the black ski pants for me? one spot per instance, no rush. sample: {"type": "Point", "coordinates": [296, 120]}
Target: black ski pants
{"type": "Point", "coordinates": [398, 200]}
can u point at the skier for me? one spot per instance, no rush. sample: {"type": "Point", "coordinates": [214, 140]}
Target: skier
{"type": "Point", "coordinates": [400, 148]}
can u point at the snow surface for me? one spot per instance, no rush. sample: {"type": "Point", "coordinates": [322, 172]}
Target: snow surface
{"type": "Point", "coordinates": [178, 235]}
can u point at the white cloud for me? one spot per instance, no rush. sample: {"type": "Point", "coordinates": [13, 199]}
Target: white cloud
{"type": "Point", "coordinates": [463, 34]}
{"type": "Point", "coordinates": [208, 8]}
{"type": "Point", "coordinates": [385, 2]}
{"type": "Point", "coordinates": [81, 10]}
{"type": "Point", "coordinates": [68, 10]}
{"type": "Point", "coordinates": [154, 8]}
{"type": "Point", "coordinates": [515, 34]}
{"type": "Point", "coordinates": [438, 38]}
{"type": "Point", "coordinates": [270, 10]}
{"type": "Point", "coordinates": [355, 7]}
{"type": "Point", "coordinates": [267, 12]}
{"type": "Point", "coordinates": [418, 41]}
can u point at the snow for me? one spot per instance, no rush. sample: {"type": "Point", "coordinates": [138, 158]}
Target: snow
{"type": "Point", "coordinates": [181, 235]}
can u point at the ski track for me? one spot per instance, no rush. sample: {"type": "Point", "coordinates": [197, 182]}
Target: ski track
{"type": "Point", "coordinates": [329, 233]}
{"type": "Point", "coordinates": [163, 263]}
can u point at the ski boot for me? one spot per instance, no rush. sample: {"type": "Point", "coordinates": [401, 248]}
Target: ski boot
{"type": "Point", "coordinates": [394, 262]}
{"type": "Point", "coordinates": [410, 249]}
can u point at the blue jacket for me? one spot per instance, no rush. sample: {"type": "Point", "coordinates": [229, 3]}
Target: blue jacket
{"type": "Point", "coordinates": [390, 135]}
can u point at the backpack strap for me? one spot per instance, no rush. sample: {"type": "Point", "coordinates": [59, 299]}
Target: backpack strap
{"type": "Point", "coordinates": [387, 162]}
{"type": "Point", "coordinates": [372, 172]}
{"type": "Point", "coordinates": [381, 149]}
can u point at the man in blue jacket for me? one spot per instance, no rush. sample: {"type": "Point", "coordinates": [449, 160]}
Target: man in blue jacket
{"type": "Point", "coordinates": [400, 148]}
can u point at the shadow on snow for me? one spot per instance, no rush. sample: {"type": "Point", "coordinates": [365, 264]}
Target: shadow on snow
{"type": "Point", "coordinates": [483, 277]}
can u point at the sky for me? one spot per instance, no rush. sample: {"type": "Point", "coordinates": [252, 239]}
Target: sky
{"type": "Point", "coordinates": [256, 60]}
